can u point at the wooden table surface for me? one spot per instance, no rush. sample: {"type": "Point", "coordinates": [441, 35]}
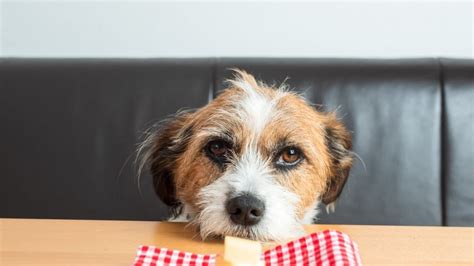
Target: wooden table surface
{"type": "Point", "coordinates": [81, 242]}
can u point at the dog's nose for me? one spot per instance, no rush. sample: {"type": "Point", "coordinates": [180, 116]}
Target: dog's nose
{"type": "Point", "coordinates": [245, 209]}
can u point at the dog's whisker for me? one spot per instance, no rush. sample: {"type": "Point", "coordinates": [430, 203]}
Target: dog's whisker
{"type": "Point", "coordinates": [360, 159]}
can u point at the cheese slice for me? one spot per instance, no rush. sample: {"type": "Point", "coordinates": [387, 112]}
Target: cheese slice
{"type": "Point", "coordinates": [239, 251]}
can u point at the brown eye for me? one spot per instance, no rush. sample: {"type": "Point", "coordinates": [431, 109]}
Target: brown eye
{"type": "Point", "coordinates": [218, 151]}
{"type": "Point", "coordinates": [218, 148]}
{"type": "Point", "coordinates": [289, 157]}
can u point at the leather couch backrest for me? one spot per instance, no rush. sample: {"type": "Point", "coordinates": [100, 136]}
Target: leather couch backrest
{"type": "Point", "coordinates": [71, 127]}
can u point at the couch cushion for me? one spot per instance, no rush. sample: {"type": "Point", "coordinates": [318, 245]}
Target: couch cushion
{"type": "Point", "coordinates": [70, 125]}
{"type": "Point", "coordinates": [393, 109]}
{"type": "Point", "coordinates": [458, 155]}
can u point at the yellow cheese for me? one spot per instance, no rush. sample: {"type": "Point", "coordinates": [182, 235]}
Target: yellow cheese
{"type": "Point", "coordinates": [240, 251]}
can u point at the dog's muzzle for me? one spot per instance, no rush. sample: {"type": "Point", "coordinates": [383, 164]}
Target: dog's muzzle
{"type": "Point", "coordinates": [245, 210]}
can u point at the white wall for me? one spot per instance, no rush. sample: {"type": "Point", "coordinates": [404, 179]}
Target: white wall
{"type": "Point", "coordinates": [1, 28]}
{"type": "Point", "coordinates": [208, 29]}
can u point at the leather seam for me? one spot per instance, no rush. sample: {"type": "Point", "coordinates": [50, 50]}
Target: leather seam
{"type": "Point", "coordinates": [443, 143]}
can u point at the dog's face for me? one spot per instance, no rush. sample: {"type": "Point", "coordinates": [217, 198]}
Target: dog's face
{"type": "Point", "coordinates": [254, 163]}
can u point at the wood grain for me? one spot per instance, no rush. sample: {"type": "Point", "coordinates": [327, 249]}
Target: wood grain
{"type": "Point", "coordinates": [80, 242]}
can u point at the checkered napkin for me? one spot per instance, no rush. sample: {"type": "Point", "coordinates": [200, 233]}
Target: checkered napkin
{"type": "Point", "coordinates": [328, 247]}
{"type": "Point", "coordinates": [152, 256]}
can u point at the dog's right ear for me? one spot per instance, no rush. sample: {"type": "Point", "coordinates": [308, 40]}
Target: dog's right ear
{"type": "Point", "coordinates": [163, 147]}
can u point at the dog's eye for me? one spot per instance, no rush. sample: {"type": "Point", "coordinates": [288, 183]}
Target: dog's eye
{"type": "Point", "coordinates": [218, 147]}
{"type": "Point", "coordinates": [289, 156]}
{"type": "Point", "coordinates": [218, 150]}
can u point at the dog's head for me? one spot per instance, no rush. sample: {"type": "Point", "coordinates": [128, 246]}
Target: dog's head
{"type": "Point", "coordinates": [254, 163]}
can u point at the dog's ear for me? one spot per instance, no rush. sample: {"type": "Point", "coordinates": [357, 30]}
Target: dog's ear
{"type": "Point", "coordinates": [339, 145]}
{"type": "Point", "coordinates": [166, 144]}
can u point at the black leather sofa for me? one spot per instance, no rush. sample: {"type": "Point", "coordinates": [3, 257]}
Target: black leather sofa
{"type": "Point", "coordinates": [70, 129]}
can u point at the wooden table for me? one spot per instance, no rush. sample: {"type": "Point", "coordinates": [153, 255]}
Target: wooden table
{"type": "Point", "coordinates": [79, 242]}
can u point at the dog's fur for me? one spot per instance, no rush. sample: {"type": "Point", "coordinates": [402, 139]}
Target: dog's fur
{"type": "Point", "coordinates": [257, 122]}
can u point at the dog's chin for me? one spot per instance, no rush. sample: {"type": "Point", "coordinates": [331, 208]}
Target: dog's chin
{"type": "Point", "coordinates": [278, 224]}
{"type": "Point", "coordinates": [267, 230]}
{"type": "Point", "coordinates": [252, 232]}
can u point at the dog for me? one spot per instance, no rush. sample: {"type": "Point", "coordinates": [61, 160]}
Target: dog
{"type": "Point", "coordinates": [256, 162]}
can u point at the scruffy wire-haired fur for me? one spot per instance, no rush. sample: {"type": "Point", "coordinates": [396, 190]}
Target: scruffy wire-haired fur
{"type": "Point", "coordinates": [255, 162]}
{"type": "Point", "coordinates": [157, 152]}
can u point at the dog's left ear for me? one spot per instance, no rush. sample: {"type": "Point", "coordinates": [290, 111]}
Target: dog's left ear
{"type": "Point", "coordinates": [339, 145]}
{"type": "Point", "coordinates": [164, 148]}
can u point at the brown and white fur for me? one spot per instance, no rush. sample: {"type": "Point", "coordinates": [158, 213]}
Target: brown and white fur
{"type": "Point", "coordinates": [257, 126]}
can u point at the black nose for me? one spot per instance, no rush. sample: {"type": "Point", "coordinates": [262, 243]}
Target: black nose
{"type": "Point", "coordinates": [245, 209]}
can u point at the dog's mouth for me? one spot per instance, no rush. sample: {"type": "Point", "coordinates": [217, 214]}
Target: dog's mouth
{"type": "Point", "coordinates": [253, 232]}
{"type": "Point", "coordinates": [248, 232]}
{"type": "Point", "coordinates": [258, 232]}
{"type": "Point", "coordinates": [229, 228]}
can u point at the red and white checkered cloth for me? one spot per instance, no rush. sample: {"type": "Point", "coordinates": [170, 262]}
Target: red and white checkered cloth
{"type": "Point", "coordinates": [152, 256]}
{"type": "Point", "coordinates": [328, 247]}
